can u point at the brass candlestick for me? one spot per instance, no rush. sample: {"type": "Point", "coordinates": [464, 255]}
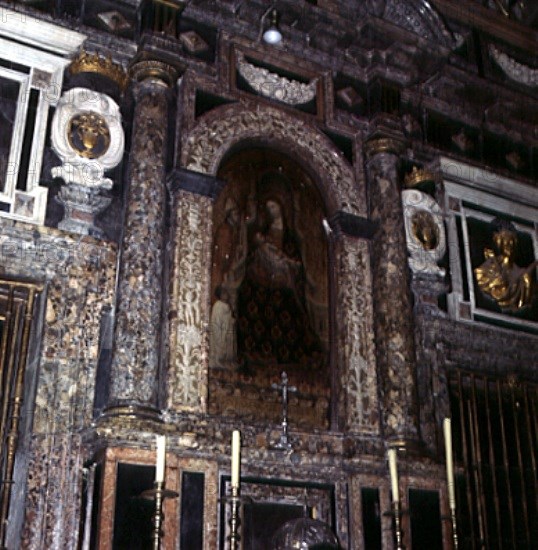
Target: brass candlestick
{"type": "Point", "coordinates": [235, 519]}
{"type": "Point", "coordinates": [397, 515]}
{"type": "Point", "coordinates": [158, 494]}
{"type": "Point", "coordinates": [454, 527]}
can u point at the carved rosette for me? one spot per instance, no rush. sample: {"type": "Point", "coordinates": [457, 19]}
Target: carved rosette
{"type": "Point", "coordinates": [425, 232]}
{"type": "Point", "coordinates": [88, 137]}
{"type": "Point", "coordinates": [394, 313]}
{"type": "Point", "coordinates": [134, 372]}
{"type": "Point", "coordinates": [189, 303]}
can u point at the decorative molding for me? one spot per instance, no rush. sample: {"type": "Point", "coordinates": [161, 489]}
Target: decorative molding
{"type": "Point", "coordinates": [38, 33]}
{"type": "Point", "coordinates": [274, 86]}
{"type": "Point", "coordinates": [223, 128]}
{"type": "Point", "coordinates": [518, 72]}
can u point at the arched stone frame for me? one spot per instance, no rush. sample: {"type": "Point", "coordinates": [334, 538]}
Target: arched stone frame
{"type": "Point", "coordinates": [352, 345]}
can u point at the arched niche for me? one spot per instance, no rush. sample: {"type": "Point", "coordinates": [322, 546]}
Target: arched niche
{"type": "Point", "coordinates": [226, 128]}
{"type": "Point", "coordinates": [206, 147]}
{"type": "Point", "coordinates": [269, 290]}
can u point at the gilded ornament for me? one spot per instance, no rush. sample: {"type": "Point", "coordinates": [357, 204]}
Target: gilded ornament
{"type": "Point", "coordinates": [89, 135]}
{"type": "Point", "coordinates": [383, 145]}
{"type": "Point", "coordinates": [425, 229]}
{"type": "Point", "coordinates": [94, 63]}
{"type": "Point", "coordinates": [417, 177]}
{"type": "Point", "coordinates": [500, 278]}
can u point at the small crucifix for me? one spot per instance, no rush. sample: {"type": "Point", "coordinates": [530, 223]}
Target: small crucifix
{"type": "Point", "coordinates": [284, 443]}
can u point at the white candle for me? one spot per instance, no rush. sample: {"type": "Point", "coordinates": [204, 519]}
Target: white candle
{"type": "Point", "coordinates": [449, 463]}
{"type": "Point", "coordinates": [161, 457]}
{"type": "Point", "coordinates": [236, 458]}
{"type": "Point", "coordinates": [393, 475]}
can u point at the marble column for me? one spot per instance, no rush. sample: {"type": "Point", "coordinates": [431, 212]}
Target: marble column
{"type": "Point", "coordinates": [135, 365]}
{"type": "Point", "coordinates": [393, 323]}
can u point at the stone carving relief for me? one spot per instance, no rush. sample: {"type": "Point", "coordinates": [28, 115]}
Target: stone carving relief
{"type": "Point", "coordinates": [274, 86]}
{"type": "Point", "coordinates": [518, 72]}
{"type": "Point", "coordinates": [424, 231]}
{"type": "Point", "coordinates": [356, 343]}
{"type": "Point", "coordinates": [208, 142]}
{"type": "Point", "coordinates": [187, 383]}
{"type": "Point", "coordinates": [88, 137]}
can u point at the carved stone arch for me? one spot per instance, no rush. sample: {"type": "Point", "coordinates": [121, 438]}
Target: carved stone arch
{"type": "Point", "coordinates": [224, 128]}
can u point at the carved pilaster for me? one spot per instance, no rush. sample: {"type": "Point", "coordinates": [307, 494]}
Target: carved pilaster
{"type": "Point", "coordinates": [135, 367]}
{"type": "Point", "coordinates": [187, 380]}
{"type": "Point", "coordinates": [394, 314]}
{"type": "Point", "coordinates": [356, 348]}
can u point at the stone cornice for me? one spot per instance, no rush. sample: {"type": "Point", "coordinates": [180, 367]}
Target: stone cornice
{"type": "Point", "coordinates": [352, 225]}
{"type": "Point", "coordinates": [194, 182]}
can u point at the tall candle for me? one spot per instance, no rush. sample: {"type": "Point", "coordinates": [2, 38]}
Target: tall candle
{"type": "Point", "coordinates": [447, 429]}
{"type": "Point", "coordinates": [393, 475]}
{"type": "Point", "coordinates": [236, 458]}
{"type": "Point", "coordinates": [161, 457]}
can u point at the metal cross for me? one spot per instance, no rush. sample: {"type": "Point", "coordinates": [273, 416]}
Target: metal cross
{"type": "Point", "coordinates": [284, 443]}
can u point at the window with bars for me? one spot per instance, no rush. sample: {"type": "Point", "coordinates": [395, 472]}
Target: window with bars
{"type": "Point", "coordinates": [17, 304]}
{"type": "Point", "coordinates": [495, 444]}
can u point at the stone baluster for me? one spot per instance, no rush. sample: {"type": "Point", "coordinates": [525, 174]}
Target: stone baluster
{"type": "Point", "coordinates": [135, 366]}
{"type": "Point", "coordinates": [392, 298]}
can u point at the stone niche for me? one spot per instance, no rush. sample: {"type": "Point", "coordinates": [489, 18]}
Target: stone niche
{"type": "Point", "coordinates": [269, 292]}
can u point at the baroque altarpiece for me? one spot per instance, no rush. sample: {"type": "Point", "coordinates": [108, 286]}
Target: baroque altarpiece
{"type": "Point", "coordinates": [328, 243]}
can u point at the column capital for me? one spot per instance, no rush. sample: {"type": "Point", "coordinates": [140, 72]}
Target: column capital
{"type": "Point", "coordinates": [385, 135]}
{"type": "Point", "coordinates": [161, 73]}
{"type": "Point", "coordinates": [379, 145]}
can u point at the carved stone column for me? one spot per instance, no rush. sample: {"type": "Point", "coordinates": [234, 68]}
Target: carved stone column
{"type": "Point", "coordinates": [135, 366]}
{"type": "Point", "coordinates": [392, 299]}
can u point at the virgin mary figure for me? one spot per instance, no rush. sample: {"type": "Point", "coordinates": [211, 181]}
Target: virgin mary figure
{"type": "Point", "coordinates": [273, 323]}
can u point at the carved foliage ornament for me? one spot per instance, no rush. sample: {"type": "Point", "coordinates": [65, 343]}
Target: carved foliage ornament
{"type": "Point", "coordinates": [425, 232]}
{"type": "Point", "coordinates": [213, 137]}
{"type": "Point", "coordinates": [275, 86]}
{"type": "Point", "coordinates": [88, 137]}
{"type": "Point", "coordinates": [518, 72]}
